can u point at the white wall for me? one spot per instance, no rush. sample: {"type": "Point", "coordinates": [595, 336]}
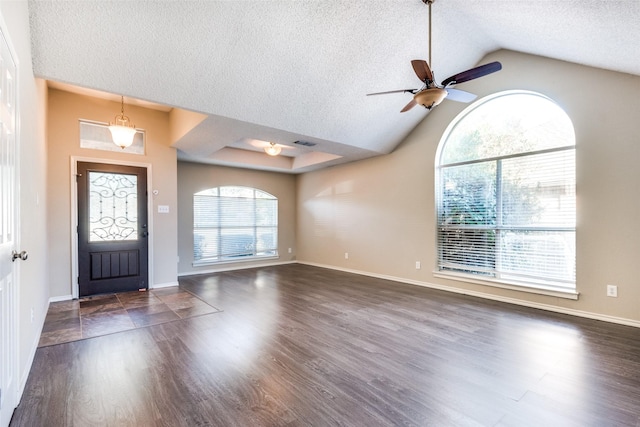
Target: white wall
{"type": "Point", "coordinates": [382, 212]}
{"type": "Point", "coordinates": [33, 284]}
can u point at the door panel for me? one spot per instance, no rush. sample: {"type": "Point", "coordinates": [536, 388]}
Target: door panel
{"type": "Point", "coordinates": [8, 236]}
{"type": "Point", "coordinates": [112, 228]}
{"type": "Point", "coordinates": [114, 264]}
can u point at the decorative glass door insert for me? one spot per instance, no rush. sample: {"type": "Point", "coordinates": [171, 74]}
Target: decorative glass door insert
{"type": "Point", "coordinates": [113, 207]}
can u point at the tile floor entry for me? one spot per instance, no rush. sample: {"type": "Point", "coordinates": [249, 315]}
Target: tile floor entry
{"type": "Point", "coordinates": [89, 317]}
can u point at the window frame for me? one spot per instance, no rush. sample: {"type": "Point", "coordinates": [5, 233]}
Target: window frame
{"type": "Point", "coordinates": [496, 277]}
{"type": "Point", "coordinates": [254, 228]}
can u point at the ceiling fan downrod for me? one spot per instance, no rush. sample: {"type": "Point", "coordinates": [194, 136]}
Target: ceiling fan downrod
{"type": "Point", "coordinates": [429, 3]}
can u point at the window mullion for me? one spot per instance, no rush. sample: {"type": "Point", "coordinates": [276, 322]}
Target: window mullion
{"type": "Point", "coordinates": [499, 219]}
{"type": "Point", "coordinates": [219, 226]}
{"type": "Point", "coordinates": [255, 223]}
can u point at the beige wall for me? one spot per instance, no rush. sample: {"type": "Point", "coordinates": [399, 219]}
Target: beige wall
{"type": "Point", "coordinates": [65, 109]}
{"type": "Point", "coordinates": [381, 211]}
{"type": "Point", "coordinates": [196, 177]}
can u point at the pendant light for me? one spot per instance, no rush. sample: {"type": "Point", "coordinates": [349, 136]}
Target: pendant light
{"type": "Point", "coordinates": [122, 130]}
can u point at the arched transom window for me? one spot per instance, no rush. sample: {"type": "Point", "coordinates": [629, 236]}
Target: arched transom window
{"type": "Point", "coordinates": [506, 194]}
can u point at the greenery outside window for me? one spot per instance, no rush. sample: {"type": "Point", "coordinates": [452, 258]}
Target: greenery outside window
{"type": "Point", "coordinates": [234, 224]}
{"type": "Point", "coordinates": [506, 195]}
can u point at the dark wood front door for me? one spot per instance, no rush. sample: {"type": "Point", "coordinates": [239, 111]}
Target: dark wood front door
{"type": "Point", "coordinates": [112, 228]}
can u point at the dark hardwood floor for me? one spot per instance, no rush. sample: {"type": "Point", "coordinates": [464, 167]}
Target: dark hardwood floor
{"type": "Point", "coordinates": [303, 346]}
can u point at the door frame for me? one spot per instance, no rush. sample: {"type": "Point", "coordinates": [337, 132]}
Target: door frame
{"type": "Point", "coordinates": [75, 288]}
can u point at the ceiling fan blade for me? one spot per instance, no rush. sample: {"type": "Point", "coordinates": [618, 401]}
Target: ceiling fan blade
{"type": "Point", "coordinates": [459, 95]}
{"type": "Point", "coordinates": [473, 73]}
{"type": "Point", "coordinates": [422, 70]}
{"type": "Point", "coordinates": [409, 106]}
{"type": "Point", "coordinates": [393, 91]}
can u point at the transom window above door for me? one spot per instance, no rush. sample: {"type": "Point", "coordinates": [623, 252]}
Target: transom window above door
{"type": "Point", "coordinates": [506, 193]}
{"type": "Point", "coordinates": [234, 224]}
{"type": "Point", "coordinates": [96, 136]}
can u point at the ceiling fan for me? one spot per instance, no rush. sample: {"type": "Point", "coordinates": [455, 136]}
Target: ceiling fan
{"type": "Point", "coordinates": [432, 93]}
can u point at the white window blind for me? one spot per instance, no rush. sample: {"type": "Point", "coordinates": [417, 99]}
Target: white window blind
{"type": "Point", "coordinates": [234, 223]}
{"type": "Point", "coordinates": [506, 193]}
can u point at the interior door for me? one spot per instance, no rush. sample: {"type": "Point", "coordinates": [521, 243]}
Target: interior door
{"type": "Point", "coordinates": [112, 228]}
{"type": "Point", "coordinates": [8, 236]}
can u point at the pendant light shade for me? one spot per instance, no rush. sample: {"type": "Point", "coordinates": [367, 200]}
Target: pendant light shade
{"type": "Point", "coordinates": [122, 130]}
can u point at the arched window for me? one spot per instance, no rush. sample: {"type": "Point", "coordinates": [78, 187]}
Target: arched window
{"type": "Point", "coordinates": [505, 188]}
{"type": "Point", "coordinates": [234, 224]}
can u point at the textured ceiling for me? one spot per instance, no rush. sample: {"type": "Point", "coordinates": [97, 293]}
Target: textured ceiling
{"type": "Point", "coordinates": [283, 71]}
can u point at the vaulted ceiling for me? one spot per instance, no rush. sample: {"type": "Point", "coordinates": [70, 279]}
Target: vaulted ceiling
{"type": "Point", "coordinates": [285, 71]}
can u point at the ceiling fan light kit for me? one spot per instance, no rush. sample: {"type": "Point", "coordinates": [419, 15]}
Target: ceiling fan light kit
{"type": "Point", "coordinates": [432, 93]}
{"type": "Point", "coordinates": [431, 97]}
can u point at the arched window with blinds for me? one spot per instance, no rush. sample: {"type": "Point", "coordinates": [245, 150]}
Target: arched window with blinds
{"type": "Point", "coordinates": [234, 224]}
{"type": "Point", "coordinates": [506, 193]}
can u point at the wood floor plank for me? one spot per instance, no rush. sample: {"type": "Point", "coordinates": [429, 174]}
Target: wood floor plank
{"type": "Point", "coordinates": [297, 345]}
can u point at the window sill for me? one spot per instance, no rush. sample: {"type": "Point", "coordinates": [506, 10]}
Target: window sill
{"type": "Point", "coordinates": [234, 261]}
{"type": "Point", "coordinates": [514, 286]}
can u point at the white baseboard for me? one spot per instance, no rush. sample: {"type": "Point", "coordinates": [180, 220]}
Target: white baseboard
{"type": "Point", "coordinates": [32, 354]}
{"type": "Point", "coordinates": [60, 298]}
{"type": "Point", "coordinates": [164, 285]}
{"type": "Point", "coordinates": [232, 267]}
{"type": "Point", "coordinates": [515, 301]}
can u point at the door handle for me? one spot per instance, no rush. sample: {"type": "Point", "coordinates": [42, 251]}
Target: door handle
{"type": "Point", "coordinates": [22, 255]}
{"type": "Point", "coordinates": [145, 233]}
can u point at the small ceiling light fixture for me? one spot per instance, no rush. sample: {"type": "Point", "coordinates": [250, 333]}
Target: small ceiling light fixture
{"type": "Point", "coordinates": [272, 149]}
{"type": "Point", "coordinates": [122, 130]}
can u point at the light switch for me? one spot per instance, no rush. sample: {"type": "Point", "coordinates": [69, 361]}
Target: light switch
{"type": "Point", "coordinates": [163, 209]}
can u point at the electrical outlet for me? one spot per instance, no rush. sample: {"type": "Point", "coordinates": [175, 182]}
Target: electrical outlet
{"type": "Point", "coordinates": [289, 250]}
{"type": "Point", "coordinates": [346, 255]}
{"type": "Point", "coordinates": [32, 315]}
{"type": "Point", "coordinates": [418, 266]}
{"type": "Point", "coordinates": [612, 291]}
